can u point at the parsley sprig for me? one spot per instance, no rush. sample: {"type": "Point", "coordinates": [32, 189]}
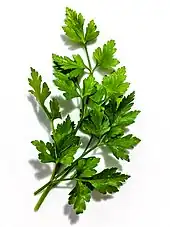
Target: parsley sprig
{"type": "Point", "coordinates": [105, 114]}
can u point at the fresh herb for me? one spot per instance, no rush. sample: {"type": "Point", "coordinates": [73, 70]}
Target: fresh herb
{"type": "Point", "coordinates": [105, 114]}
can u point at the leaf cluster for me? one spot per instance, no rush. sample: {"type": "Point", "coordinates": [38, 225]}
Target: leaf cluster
{"type": "Point", "coordinates": [106, 112]}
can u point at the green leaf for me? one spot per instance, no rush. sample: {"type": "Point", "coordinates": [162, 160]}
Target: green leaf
{"type": "Point", "coordinates": [86, 167]}
{"type": "Point", "coordinates": [66, 142]}
{"type": "Point", "coordinates": [105, 57]}
{"type": "Point", "coordinates": [126, 119]}
{"type": "Point", "coordinates": [63, 130]}
{"type": "Point", "coordinates": [46, 151]}
{"type": "Point", "coordinates": [108, 181]}
{"type": "Point", "coordinates": [39, 90]}
{"type": "Point", "coordinates": [52, 149]}
{"type": "Point", "coordinates": [97, 123]}
{"type": "Point", "coordinates": [115, 84]}
{"type": "Point", "coordinates": [79, 196]}
{"type": "Point", "coordinates": [115, 131]}
{"type": "Point", "coordinates": [67, 85]}
{"type": "Point", "coordinates": [55, 110]}
{"type": "Point", "coordinates": [73, 68]}
{"type": "Point", "coordinates": [100, 94]}
{"type": "Point", "coordinates": [120, 146]}
{"type": "Point", "coordinates": [67, 156]}
{"type": "Point", "coordinates": [89, 85]}
{"type": "Point", "coordinates": [119, 115]}
{"type": "Point", "coordinates": [110, 109]}
{"type": "Point", "coordinates": [91, 33]}
{"type": "Point", "coordinates": [126, 103]}
{"type": "Point", "coordinates": [73, 27]}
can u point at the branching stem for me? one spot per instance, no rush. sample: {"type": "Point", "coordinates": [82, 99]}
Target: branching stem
{"type": "Point", "coordinates": [55, 180]}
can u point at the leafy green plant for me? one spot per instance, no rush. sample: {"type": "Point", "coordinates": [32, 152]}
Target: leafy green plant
{"type": "Point", "coordinates": [105, 114]}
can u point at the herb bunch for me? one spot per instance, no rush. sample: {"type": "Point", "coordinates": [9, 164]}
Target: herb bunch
{"type": "Point", "coordinates": [105, 114]}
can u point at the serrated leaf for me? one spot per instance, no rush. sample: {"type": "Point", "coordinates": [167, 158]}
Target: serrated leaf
{"type": "Point", "coordinates": [105, 57]}
{"type": "Point", "coordinates": [97, 123]}
{"type": "Point", "coordinates": [110, 109]}
{"type": "Point", "coordinates": [120, 146]}
{"type": "Point", "coordinates": [63, 130]}
{"type": "Point", "coordinates": [118, 113]}
{"type": "Point", "coordinates": [51, 148]}
{"type": "Point", "coordinates": [73, 27]}
{"type": "Point", "coordinates": [86, 167]}
{"type": "Point", "coordinates": [115, 84]}
{"type": "Point", "coordinates": [66, 142]}
{"type": "Point", "coordinates": [65, 84]}
{"type": "Point", "coordinates": [115, 131]}
{"type": "Point", "coordinates": [67, 156]}
{"type": "Point", "coordinates": [100, 94]}
{"type": "Point", "coordinates": [126, 103]}
{"type": "Point", "coordinates": [79, 196]}
{"type": "Point", "coordinates": [46, 155]}
{"type": "Point", "coordinates": [89, 85]}
{"type": "Point", "coordinates": [40, 90]}
{"type": "Point", "coordinates": [126, 119]}
{"type": "Point", "coordinates": [108, 181]}
{"type": "Point", "coordinates": [91, 32]}
{"type": "Point", "coordinates": [55, 110]}
{"type": "Point", "coordinates": [73, 68]}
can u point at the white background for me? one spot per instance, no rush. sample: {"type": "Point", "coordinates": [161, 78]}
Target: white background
{"type": "Point", "coordinates": [29, 33]}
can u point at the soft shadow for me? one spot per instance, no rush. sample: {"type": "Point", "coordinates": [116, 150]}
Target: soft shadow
{"type": "Point", "coordinates": [67, 106]}
{"type": "Point", "coordinates": [72, 216]}
{"type": "Point", "coordinates": [104, 72]}
{"type": "Point", "coordinates": [64, 187]}
{"type": "Point", "coordinates": [42, 170]}
{"type": "Point", "coordinates": [69, 185]}
{"type": "Point", "coordinates": [71, 45]}
{"type": "Point", "coordinates": [97, 196]}
{"type": "Point", "coordinates": [42, 118]}
{"type": "Point", "coordinates": [84, 141]}
{"type": "Point", "coordinates": [109, 159]}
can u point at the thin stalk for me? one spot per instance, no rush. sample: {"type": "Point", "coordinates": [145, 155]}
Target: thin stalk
{"type": "Point", "coordinates": [42, 188]}
{"type": "Point", "coordinates": [52, 183]}
{"type": "Point", "coordinates": [82, 116]}
{"type": "Point", "coordinates": [95, 68]}
{"type": "Point", "coordinates": [63, 174]}
{"type": "Point", "coordinates": [54, 172]}
{"type": "Point", "coordinates": [45, 110]}
{"type": "Point", "coordinates": [65, 170]}
{"type": "Point", "coordinates": [78, 125]}
{"type": "Point", "coordinates": [88, 144]}
{"type": "Point", "coordinates": [52, 126]}
{"type": "Point", "coordinates": [43, 196]}
{"type": "Point", "coordinates": [88, 58]}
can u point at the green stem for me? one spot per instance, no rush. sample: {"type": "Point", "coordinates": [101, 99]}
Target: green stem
{"type": "Point", "coordinates": [42, 188]}
{"type": "Point", "coordinates": [54, 172]}
{"type": "Point", "coordinates": [46, 111]}
{"type": "Point", "coordinates": [47, 190]}
{"type": "Point", "coordinates": [52, 126]}
{"type": "Point", "coordinates": [43, 196]}
{"type": "Point", "coordinates": [95, 68]}
{"type": "Point", "coordinates": [69, 168]}
{"type": "Point", "coordinates": [78, 125]}
{"type": "Point", "coordinates": [88, 144]}
{"type": "Point", "coordinates": [52, 183]}
{"type": "Point", "coordinates": [88, 58]}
